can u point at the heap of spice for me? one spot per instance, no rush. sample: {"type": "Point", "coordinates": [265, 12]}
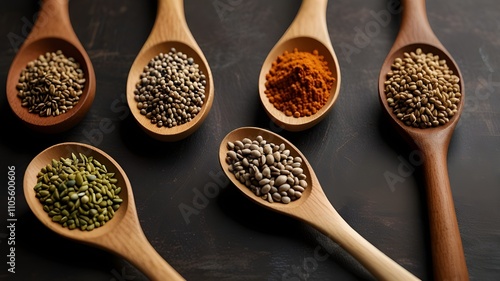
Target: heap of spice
{"type": "Point", "coordinates": [78, 192]}
{"type": "Point", "coordinates": [299, 83]}
{"type": "Point", "coordinates": [51, 84]}
{"type": "Point", "coordinates": [171, 89]}
{"type": "Point", "coordinates": [421, 90]}
{"type": "Point", "coordinates": [267, 169]}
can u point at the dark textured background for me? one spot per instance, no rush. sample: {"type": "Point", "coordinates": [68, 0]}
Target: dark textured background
{"type": "Point", "coordinates": [352, 149]}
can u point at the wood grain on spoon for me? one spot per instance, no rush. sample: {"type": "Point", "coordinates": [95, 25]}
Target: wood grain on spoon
{"type": "Point", "coordinates": [446, 244]}
{"type": "Point", "coordinates": [170, 31]}
{"type": "Point", "coordinates": [315, 209]}
{"type": "Point", "coordinates": [122, 235]}
{"type": "Point", "coordinates": [307, 32]}
{"type": "Point", "coordinates": [52, 31]}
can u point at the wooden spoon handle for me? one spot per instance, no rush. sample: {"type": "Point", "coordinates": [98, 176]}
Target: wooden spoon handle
{"type": "Point", "coordinates": [53, 20]}
{"type": "Point", "coordinates": [330, 223]}
{"type": "Point", "coordinates": [447, 251]}
{"type": "Point", "coordinates": [135, 248]}
{"type": "Point", "coordinates": [170, 24]}
{"type": "Point", "coordinates": [310, 21]}
{"type": "Point", "coordinates": [415, 27]}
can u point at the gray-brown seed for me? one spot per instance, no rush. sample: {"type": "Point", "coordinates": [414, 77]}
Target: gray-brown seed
{"type": "Point", "coordinates": [283, 187]}
{"type": "Point", "coordinates": [264, 176]}
{"type": "Point", "coordinates": [280, 180]}
{"type": "Point", "coordinates": [297, 171]}
{"type": "Point", "coordinates": [269, 159]}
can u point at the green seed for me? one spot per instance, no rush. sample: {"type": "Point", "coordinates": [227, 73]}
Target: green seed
{"type": "Point", "coordinates": [76, 194]}
{"type": "Point", "coordinates": [83, 188]}
{"type": "Point", "coordinates": [79, 179]}
{"type": "Point", "coordinates": [43, 193]}
{"type": "Point", "coordinates": [73, 196]}
{"type": "Point", "coordinates": [85, 199]}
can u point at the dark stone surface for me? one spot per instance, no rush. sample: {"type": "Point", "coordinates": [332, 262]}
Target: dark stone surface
{"type": "Point", "coordinates": [353, 149]}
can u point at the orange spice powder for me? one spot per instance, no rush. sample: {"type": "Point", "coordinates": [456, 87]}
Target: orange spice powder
{"type": "Point", "coordinates": [299, 83]}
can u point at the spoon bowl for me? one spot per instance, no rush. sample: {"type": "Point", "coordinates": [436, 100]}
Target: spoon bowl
{"type": "Point", "coordinates": [307, 33]}
{"type": "Point", "coordinates": [314, 208]}
{"type": "Point", "coordinates": [409, 132]}
{"type": "Point", "coordinates": [51, 32]}
{"type": "Point", "coordinates": [169, 31]}
{"type": "Point", "coordinates": [446, 244]}
{"type": "Point", "coordinates": [122, 235]}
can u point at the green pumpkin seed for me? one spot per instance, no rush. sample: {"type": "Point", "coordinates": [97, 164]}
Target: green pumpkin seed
{"type": "Point", "coordinates": [87, 207]}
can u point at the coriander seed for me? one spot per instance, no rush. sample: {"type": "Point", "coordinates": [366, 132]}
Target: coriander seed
{"type": "Point", "coordinates": [422, 90]}
{"type": "Point", "coordinates": [51, 84]}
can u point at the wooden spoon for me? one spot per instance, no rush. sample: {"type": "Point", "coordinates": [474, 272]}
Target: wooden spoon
{"type": "Point", "coordinates": [170, 31]}
{"type": "Point", "coordinates": [447, 252]}
{"type": "Point", "coordinates": [308, 32]}
{"type": "Point", "coordinates": [51, 32]}
{"type": "Point", "coordinates": [122, 235]}
{"type": "Point", "coordinates": [315, 209]}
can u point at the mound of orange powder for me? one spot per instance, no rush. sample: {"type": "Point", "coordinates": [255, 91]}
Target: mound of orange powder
{"type": "Point", "coordinates": [299, 83]}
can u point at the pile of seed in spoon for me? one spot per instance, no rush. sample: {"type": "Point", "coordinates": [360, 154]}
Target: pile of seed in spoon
{"type": "Point", "coordinates": [267, 169]}
{"type": "Point", "coordinates": [78, 192]}
{"type": "Point", "coordinates": [422, 91]}
{"type": "Point", "coordinates": [171, 89]}
{"type": "Point", "coordinates": [51, 84]}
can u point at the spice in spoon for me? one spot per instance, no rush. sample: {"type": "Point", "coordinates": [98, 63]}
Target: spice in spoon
{"type": "Point", "coordinates": [267, 169]}
{"type": "Point", "coordinates": [422, 91]}
{"type": "Point", "coordinates": [78, 192]}
{"type": "Point", "coordinates": [299, 83]}
{"type": "Point", "coordinates": [51, 84]}
{"type": "Point", "coordinates": [171, 89]}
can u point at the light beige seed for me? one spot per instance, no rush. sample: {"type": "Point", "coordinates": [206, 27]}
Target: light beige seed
{"type": "Point", "coordinates": [265, 189]}
{"type": "Point", "coordinates": [280, 180]}
{"type": "Point", "coordinates": [297, 171]}
{"type": "Point", "coordinates": [284, 187]}
{"type": "Point", "coordinates": [298, 188]}
{"type": "Point", "coordinates": [232, 155]}
{"type": "Point", "coordinates": [276, 196]}
{"type": "Point", "coordinates": [270, 159]}
{"type": "Point", "coordinates": [277, 156]}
